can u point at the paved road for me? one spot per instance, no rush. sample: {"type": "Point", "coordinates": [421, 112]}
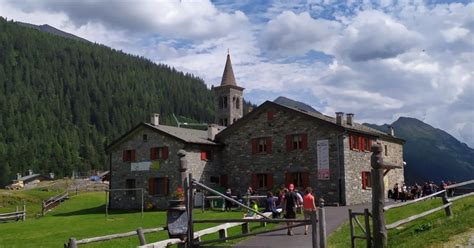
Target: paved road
{"type": "Point", "coordinates": [335, 216]}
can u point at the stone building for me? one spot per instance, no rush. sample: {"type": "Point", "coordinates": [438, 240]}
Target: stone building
{"type": "Point", "coordinates": [268, 148]}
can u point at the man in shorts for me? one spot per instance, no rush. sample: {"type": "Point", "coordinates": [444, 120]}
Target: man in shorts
{"type": "Point", "coordinates": [290, 202]}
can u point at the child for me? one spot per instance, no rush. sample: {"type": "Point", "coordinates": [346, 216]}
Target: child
{"type": "Point", "coordinates": [254, 206]}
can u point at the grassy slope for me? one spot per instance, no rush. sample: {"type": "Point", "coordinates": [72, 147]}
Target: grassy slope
{"type": "Point", "coordinates": [83, 217]}
{"type": "Point", "coordinates": [431, 230]}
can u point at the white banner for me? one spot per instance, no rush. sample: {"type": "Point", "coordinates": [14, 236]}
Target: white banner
{"type": "Point", "coordinates": [141, 166]}
{"type": "Point", "coordinates": [323, 159]}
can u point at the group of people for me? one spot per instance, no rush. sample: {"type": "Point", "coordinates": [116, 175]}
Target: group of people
{"type": "Point", "coordinates": [288, 201]}
{"type": "Point", "coordinates": [402, 192]}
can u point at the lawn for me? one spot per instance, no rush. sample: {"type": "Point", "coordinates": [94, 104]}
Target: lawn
{"type": "Point", "coordinates": [83, 216]}
{"type": "Point", "coordinates": [432, 230]}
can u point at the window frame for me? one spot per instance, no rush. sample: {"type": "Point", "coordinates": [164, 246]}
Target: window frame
{"type": "Point", "coordinates": [366, 177]}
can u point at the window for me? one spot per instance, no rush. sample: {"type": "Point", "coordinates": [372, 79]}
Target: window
{"type": "Point", "coordinates": [359, 143]}
{"type": "Point", "coordinates": [366, 180]}
{"type": "Point", "coordinates": [296, 142]}
{"type": "Point", "coordinates": [206, 155]}
{"type": "Point", "coordinates": [386, 150]}
{"type": "Point", "coordinates": [367, 144]}
{"type": "Point", "coordinates": [262, 145]}
{"type": "Point", "coordinates": [129, 155]}
{"type": "Point", "coordinates": [237, 103]}
{"type": "Point", "coordinates": [299, 179]}
{"type": "Point", "coordinates": [145, 138]}
{"type": "Point", "coordinates": [224, 99]}
{"type": "Point", "coordinates": [158, 186]}
{"type": "Point", "coordinates": [262, 181]}
{"type": "Point", "coordinates": [159, 153]}
{"type": "Point", "coordinates": [221, 103]}
{"type": "Point", "coordinates": [130, 184]}
{"type": "Point", "coordinates": [269, 115]}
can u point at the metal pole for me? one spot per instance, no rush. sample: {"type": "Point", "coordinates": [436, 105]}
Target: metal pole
{"type": "Point", "coordinates": [106, 203]}
{"type": "Point", "coordinates": [203, 201]}
{"type": "Point", "coordinates": [228, 198]}
{"type": "Point", "coordinates": [314, 230]}
{"type": "Point", "coordinates": [142, 202]}
{"type": "Point", "coordinates": [322, 225]}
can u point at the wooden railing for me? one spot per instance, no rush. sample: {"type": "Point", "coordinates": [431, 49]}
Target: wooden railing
{"type": "Point", "coordinates": [73, 243]}
{"type": "Point", "coordinates": [447, 202]}
{"type": "Point", "coordinates": [52, 202]}
{"type": "Point", "coordinates": [17, 215]}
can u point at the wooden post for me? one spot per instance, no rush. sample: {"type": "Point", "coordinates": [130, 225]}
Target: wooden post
{"type": "Point", "coordinates": [24, 211]}
{"type": "Point", "coordinates": [368, 237]}
{"type": "Point", "coordinates": [314, 230]}
{"type": "Point", "coordinates": [190, 209]}
{"type": "Point", "coordinates": [245, 228]}
{"type": "Point", "coordinates": [448, 210]}
{"type": "Point", "coordinates": [223, 234]}
{"type": "Point", "coordinates": [72, 243]}
{"type": "Point", "coordinates": [42, 208]}
{"type": "Point", "coordinates": [141, 236]}
{"type": "Point", "coordinates": [351, 227]}
{"type": "Point", "coordinates": [322, 225]}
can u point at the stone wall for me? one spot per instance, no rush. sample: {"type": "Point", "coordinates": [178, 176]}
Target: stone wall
{"type": "Point", "coordinates": [121, 171]}
{"type": "Point", "coordinates": [240, 163]}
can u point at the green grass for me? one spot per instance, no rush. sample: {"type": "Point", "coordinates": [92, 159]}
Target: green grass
{"type": "Point", "coordinates": [32, 198]}
{"type": "Point", "coordinates": [431, 230]}
{"type": "Point", "coordinates": [83, 216]}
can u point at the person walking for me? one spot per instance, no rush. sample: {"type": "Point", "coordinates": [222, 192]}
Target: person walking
{"type": "Point", "coordinates": [289, 203]}
{"type": "Point", "coordinates": [228, 204]}
{"type": "Point", "coordinates": [309, 206]}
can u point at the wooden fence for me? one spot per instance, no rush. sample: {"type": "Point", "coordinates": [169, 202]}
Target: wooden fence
{"type": "Point", "coordinates": [17, 215]}
{"type": "Point", "coordinates": [447, 202]}
{"type": "Point", "coordinates": [52, 202]}
{"type": "Point", "coordinates": [73, 243]}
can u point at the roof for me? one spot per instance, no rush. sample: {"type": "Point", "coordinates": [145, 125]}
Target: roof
{"type": "Point", "coordinates": [29, 177]}
{"type": "Point", "coordinates": [186, 135]}
{"type": "Point", "coordinates": [228, 76]}
{"type": "Point", "coordinates": [355, 127]}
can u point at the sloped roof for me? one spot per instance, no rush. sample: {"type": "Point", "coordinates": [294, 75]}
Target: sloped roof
{"type": "Point", "coordinates": [355, 127]}
{"type": "Point", "coordinates": [228, 76]}
{"type": "Point", "coordinates": [183, 134]}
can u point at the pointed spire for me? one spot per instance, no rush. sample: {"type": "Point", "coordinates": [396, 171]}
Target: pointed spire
{"type": "Point", "coordinates": [228, 76]}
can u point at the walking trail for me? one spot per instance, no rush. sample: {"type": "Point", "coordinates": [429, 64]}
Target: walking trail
{"type": "Point", "coordinates": [335, 216]}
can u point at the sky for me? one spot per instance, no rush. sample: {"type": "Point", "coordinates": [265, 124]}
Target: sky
{"type": "Point", "coordinates": [377, 59]}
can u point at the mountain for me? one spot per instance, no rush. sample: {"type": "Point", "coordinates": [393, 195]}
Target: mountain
{"type": "Point", "coordinates": [52, 30]}
{"type": "Point", "coordinates": [431, 153]}
{"type": "Point", "coordinates": [295, 104]}
{"type": "Point", "coordinates": [62, 100]}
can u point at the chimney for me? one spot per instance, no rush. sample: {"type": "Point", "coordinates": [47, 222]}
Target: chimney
{"type": "Point", "coordinates": [339, 117]}
{"type": "Point", "coordinates": [30, 172]}
{"type": "Point", "coordinates": [18, 176]}
{"type": "Point", "coordinates": [350, 119]}
{"type": "Point", "coordinates": [211, 131]}
{"type": "Point", "coordinates": [250, 109]}
{"type": "Point", "coordinates": [391, 131]}
{"type": "Point", "coordinates": [51, 175]}
{"type": "Point", "coordinates": [155, 119]}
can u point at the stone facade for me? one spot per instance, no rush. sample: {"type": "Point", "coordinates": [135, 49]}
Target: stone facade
{"type": "Point", "coordinates": [228, 102]}
{"type": "Point", "coordinates": [121, 170]}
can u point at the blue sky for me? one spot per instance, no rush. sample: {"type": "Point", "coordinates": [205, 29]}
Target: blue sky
{"type": "Point", "coordinates": [377, 59]}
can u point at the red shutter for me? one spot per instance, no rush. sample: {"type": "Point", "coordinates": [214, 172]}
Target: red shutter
{"type": "Point", "coordinates": [269, 115]}
{"type": "Point", "coordinates": [304, 141]}
{"type": "Point", "coordinates": [203, 156]}
{"type": "Point", "coordinates": [288, 178]}
{"type": "Point", "coordinates": [351, 138]}
{"type": "Point", "coordinates": [254, 146]}
{"type": "Point", "coordinates": [223, 181]}
{"type": "Point", "coordinates": [370, 144]}
{"type": "Point", "coordinates": [363, 180]}
{"type": "Point", "coordinates": [134, 155]}
{"type": "Point", "coordinates": [151, 186]}
{"type": "Point", "coordinates": [254, 181]}
{"type": "Point", "coordinates": [305, 178]}
{"type": "Point", "coordinates": [268, 142]}
{"type": "Point", "coordinates": [124, 156]}
{"type": "Point", "coordinates": [361, 143]}
{"type": "Point", "coordinates": [166, 185]}
{"type": "Point", "coordinates": [269, 181]}
{"type": "Point", "coordinates": [164, 152]}
{"type": "Point", "coordinates": [153, 154]}
{"type": "Point", "coordinates": [289, 143]}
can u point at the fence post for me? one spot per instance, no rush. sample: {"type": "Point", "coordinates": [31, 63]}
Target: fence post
{"type": "Point", "coordinates": [245, 228]}
{"type": "Point", "coordinates": [223, 234]}
{"type": "Point", "coordinates": [351, 227]}
{"type": "Point", "coordinates": [322, 224]}
{"type": "Point", "coordinates": [368, 237]}
{"type": "Point", "coordinates": [314, 229]}
{"type": "Point", "coordinates": [24, 211]}
{"type": "Point", "coordinates": [42, 208]}
{"type": "Point", "coordinates": [72, 243]}
{"type": "Point", "coordinates": [448, 210]}
{"type": "Point", "coordinates": [141, 236]}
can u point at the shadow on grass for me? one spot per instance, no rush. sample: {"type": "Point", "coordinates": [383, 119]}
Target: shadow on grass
{"type": "Point", "coordinates": [96, 210]}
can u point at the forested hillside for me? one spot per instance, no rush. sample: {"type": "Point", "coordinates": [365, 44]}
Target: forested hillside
{"type": "Point", "coordinates": [62, 100]}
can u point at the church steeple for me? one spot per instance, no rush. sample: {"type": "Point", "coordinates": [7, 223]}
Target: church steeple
{"type": "Point", "coordinates": [228, 98]}
{"type": "Point", "coordinates": [228, 75]}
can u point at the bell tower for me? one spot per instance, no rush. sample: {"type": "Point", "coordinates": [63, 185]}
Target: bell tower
{"type": "Point", "coordinates": [228, 97]}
